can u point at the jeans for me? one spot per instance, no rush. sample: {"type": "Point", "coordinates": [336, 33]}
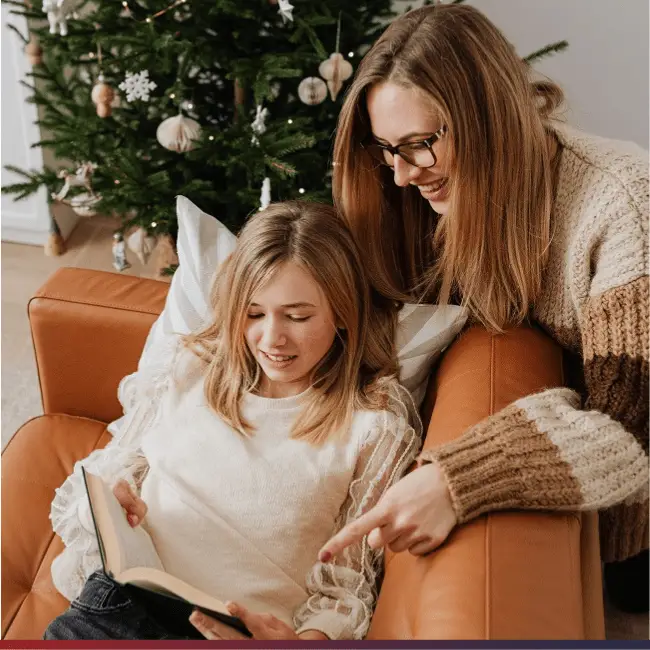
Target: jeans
{"type": "Point", "coordinates": [107, 610]}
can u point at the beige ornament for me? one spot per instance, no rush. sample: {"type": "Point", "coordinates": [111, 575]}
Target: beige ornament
{"type": "Point", "coordinates": [103, 95]}
{"type": "Point", "coordinates": [165, 256]}
{"type": "Point", "coordinates": [141, 244]}
{"type": "Point", "coordinates": [335, 71]}
{"type": "Point", "coordinates": [178, 133]}
{"type": "Point", "coordinates": [312, 91]}
{"type": "Point", "coordinates": [34, 52]}
{"type": "Point", "coordinates": [84, 204]}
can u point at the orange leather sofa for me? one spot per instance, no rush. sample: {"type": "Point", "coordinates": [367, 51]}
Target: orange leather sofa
{"type": "Point", "coordinates": [508, 575]}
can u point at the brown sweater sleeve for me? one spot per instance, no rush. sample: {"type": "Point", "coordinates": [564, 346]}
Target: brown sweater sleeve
{"type": "Point", "coordinates": [546, 452]}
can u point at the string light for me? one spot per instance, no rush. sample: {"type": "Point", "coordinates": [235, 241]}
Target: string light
{"type": "Point", "coordinates": [302, 190]}
{"type": "Point", "coordinates": [290, 121]}
{"type": "Point", "coordinates": [350, 54]}
{"type": "Point", "coordinates": [172, 95]}
{"type": "Point", "coordinates": [153, 224]}
{"type": "Point", "coordinates": [91, 55]}
{"type": "Point", "coordinates": [150, 19]}
{"type": "Point", "coordinates": [116, 182]}
{"type": "Point", "coordinates": [211, 137]}
{"type": "Point", "coordinates": [190, 106]}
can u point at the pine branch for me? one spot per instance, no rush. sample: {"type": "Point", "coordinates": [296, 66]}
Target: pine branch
{"type": "Point", "coordinates": [559, 46]}
{"type": "Point", "coordinates": [282, 168]}
{"type": "Point", "coordinates": [15, 29]}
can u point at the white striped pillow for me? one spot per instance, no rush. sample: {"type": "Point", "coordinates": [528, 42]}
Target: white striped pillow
{"type": "Point", "coordinates": [424, 331]}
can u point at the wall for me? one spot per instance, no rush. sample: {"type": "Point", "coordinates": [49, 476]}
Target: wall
{"type": "Point", "coordinates": [605, 71]}
{"type": "Point", "coordinates": [26, 221]}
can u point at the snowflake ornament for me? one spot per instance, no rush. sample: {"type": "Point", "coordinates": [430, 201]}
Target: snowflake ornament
{"type": "Point", "coordinates": [137, 86]}
{"type": "Point", "coordinates": [285, 10]}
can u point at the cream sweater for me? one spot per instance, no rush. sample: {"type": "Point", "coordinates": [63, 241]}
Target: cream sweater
{"type": "Point", "coordinates": [243, 518]}
{"type": "Point", "coordinates": [585, 450]}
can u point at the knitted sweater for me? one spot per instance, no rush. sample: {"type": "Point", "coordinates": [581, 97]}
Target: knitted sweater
{"type": "Point", "coordinates": [558, 449]}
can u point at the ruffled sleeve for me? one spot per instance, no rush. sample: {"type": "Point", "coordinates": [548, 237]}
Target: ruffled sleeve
{"type": "Point", "coordinates": [343, 592]}
{"type": "Point", "coordinates": [140, 395]}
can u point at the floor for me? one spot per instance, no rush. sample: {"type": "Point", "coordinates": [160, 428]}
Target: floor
{"type": "Point", "coordinates": [25, 268]}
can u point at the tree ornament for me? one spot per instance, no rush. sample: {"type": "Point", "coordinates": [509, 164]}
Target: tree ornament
{"type": "Point", "coordinates": [57, 15]}
{"type": "Point", "coordinates": [137, 86]}
{"type": "Point", "coordinates": [81, 178]}
{"type": "Point", "coordinates": [335, 70]}
{"type": "Point", "coordinates": [83, 204]}
{"type": "Point", "coordinates": [166, 255]}
{"type": "Point", "coordinates": [103, 96]}
{"type": "Point", "coordinates": [178, 133]}
{"type": "Point", "coordinates": [34, 52]}
{"type": "Point", "coordinates": [286, 11]}
{"type": "Point", "coordinates": [259, 124]}
{"type": "Point", "coordinates": [312, 91]}
{"type": "Point", "coordinates": [141, 244]}
{"type": "Point", "coordinates": [120, 263]}
{"type": "Point", "coordinates": [265, 196]}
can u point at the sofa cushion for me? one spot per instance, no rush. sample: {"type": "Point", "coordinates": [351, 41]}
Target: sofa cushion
{"type": "Point", "coordinates": [36, 461]}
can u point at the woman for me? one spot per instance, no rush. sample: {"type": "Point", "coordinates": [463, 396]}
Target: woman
{"type": "Point", "coordinates": [477, 194]}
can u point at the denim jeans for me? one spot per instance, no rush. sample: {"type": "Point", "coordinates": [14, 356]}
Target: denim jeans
{"type": "Point", "coordinates": [108, 610]}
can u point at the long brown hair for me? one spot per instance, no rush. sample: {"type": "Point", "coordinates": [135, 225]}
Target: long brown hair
{"type": "Point", "coordinates": [491, 249]}
{"type": "Point", "coordinates": [313, 236]}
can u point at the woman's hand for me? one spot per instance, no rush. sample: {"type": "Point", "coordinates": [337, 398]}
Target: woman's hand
{"type": "Point", "coordinates": [264, 627]}
{"type": "Point", "coordinates": [135, 507]}
{"type": "Point", "coordinates": [415, 514]}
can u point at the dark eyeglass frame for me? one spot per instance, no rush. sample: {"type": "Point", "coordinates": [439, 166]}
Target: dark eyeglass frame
{"type": "Point", "coordinates": [429, 142]}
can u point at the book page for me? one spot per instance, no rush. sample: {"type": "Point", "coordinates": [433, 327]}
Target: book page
{"type": "Point", "coordinates": [124, 547]}
{"type": "Point", "coordinates": [162, 582]}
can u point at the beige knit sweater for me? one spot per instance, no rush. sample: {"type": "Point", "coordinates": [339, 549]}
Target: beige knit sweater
{"type": "Point", "coordinates": [560, 450]}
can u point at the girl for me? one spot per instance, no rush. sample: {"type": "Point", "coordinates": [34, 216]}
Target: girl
{"type": "Point", "coordinates": [251, 441]}
{"type": "Point", "coordinates": [477, 194]}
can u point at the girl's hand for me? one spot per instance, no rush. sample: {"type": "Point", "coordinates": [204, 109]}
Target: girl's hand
{"type": "Point", "coordinates": [135, 507]}
{"type": "Point", "coordinates": [213, 629]}
{"type": "Point", "coordinates": [415, 514]}
{"type": "Point", "coordinates": [264, 627]}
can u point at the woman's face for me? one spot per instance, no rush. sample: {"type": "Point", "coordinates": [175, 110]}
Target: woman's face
{"type": "Point", "coordinates": [290, 328]}
{"type": "Point", "coordinates": [399, 115]}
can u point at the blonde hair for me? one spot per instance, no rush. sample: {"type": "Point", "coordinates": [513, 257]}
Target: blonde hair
{"type": "Point", "coordinates": [313, 236]}
{"type": "Point", "coordinates": [491, 250]}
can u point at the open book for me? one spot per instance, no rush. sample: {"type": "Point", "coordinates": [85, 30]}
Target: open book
{"type": "Point", "coordinates": [130, 558]}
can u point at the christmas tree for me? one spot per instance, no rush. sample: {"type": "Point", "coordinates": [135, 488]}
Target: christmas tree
{"type": "Point", "coordinates": [227, 102]}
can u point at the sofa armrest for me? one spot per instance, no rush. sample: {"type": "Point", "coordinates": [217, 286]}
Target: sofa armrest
{"type": "Point", "coordinates": [505, 575]}
{"type": "Point", "coordinates": [89, 328]}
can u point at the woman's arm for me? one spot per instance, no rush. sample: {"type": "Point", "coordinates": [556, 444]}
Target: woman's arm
{"type": "Point", "coordinates": [552, 450]}
{"type": "Point", "coordinates": [343, 593]}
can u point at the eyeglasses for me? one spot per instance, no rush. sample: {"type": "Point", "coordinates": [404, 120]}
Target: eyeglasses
{"type": "Point", "coordinates": [419, 153]}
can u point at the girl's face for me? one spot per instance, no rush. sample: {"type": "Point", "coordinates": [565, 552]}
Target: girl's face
{"type": "Point", "coordinates": [290, 328]}
{"type": "Point", "coordinates": [399, 115]}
